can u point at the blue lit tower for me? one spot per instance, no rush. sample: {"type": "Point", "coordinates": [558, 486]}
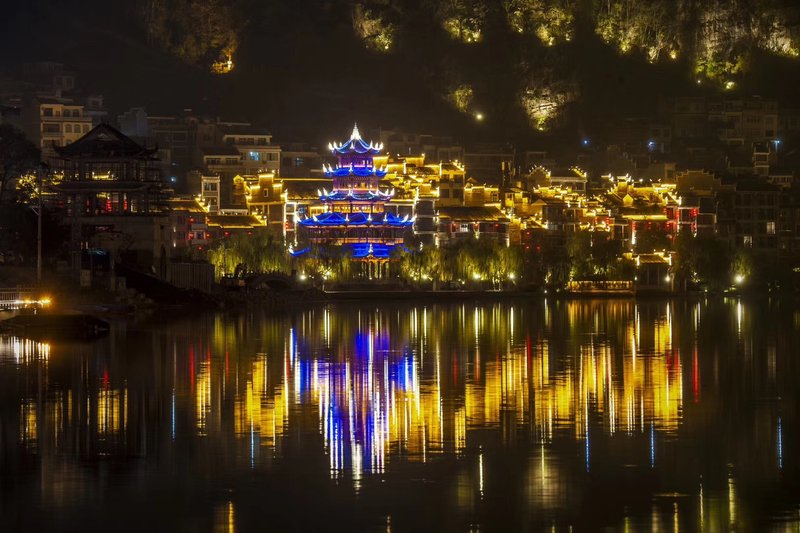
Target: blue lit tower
{"type": "Point", "coordinates": [355, 214]}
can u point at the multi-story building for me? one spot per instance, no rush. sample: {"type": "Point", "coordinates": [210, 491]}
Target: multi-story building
{"type": "Point", "coordinates": [254, 145]}
{"type": "Point", "coordinates": [489, 162]}
{"type": "Point", "coordinates": [109, 194]}
{"type": "Point", "coordinates": [756, 205]}
{"type": "Point", "coordinates": [210, 192]}
{"type": "Point", "coordinates": [299, 160]}
{"type": "Point", "coordinates": [264, 197]}
{"type": "Point", "coordinates": [51, 123]}
{"type": "Point", "coordinates": [355, 216]}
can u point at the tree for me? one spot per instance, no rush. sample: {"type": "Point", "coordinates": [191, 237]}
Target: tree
{"type": "Point", "coordinates": [259, 252]}
{"type": "Point", "coordinates": [649, 240]}
{"type": "Point", "coordinates": [18, 157]}
{"type": "Point", "coordinates": [703, 260]}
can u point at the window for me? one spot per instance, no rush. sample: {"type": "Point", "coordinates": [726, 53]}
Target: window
{"type": "Point", "coordinates": [47, 111]}
{"type": "Point", "coordinates": [770, 228]}
{"type": "Point", "coordinates": [67, 128]}
{"type": "Point", "coordinates": [85, 128]}
{"type": "Point", "coordinates": [747, 240]}
{"type": "Point", "coordinates": [299, 161]}
{"type": "Point", "coordinates": [255, 156]}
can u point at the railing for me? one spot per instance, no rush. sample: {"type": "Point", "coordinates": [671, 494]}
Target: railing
{"type": "Point", "coordinates": [600, 286]}
{"type": "Point", "coordinates": [15, 298]}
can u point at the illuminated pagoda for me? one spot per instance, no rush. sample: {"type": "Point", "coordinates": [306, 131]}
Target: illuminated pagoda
{"type": "Point", "coordinates": [355, 214]}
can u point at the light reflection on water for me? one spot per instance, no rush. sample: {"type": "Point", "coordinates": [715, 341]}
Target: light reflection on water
{"type": "Point", "coordinates": [676, 415]}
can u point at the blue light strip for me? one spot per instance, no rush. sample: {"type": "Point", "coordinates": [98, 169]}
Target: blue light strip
{"type": "Point", "coordinates": [334, 218]}
{"type": "Point", "coordinates": [361, 172]}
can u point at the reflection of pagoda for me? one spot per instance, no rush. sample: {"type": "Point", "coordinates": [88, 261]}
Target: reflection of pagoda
{"type": "Point", "coordinates": [355, 215]}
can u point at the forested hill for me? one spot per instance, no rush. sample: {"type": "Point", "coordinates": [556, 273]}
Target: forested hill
{"type": "Point", "coordinates": [530, 68]}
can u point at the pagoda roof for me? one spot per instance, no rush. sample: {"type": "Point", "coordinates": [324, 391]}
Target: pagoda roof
{"type": "Point", "coordinates": [472, 213]}
{"type": "Point", "coordinates": [333, 218]}
{"type": "Point", "coordinates": [355, 145]}
{"type": "Point", "coordinates": [233, 221]}
{"type": "Point", "coordinates": [362, 196]}
{"type": "Point", "coordinates": [361, 172]}
{"type": "Point", "coordinates": [105, 141]}
{"type": "Point", "coordinates": [103, 186]}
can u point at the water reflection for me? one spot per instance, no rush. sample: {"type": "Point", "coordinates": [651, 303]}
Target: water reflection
{"type": "Point", "coordinates": [659, 414]}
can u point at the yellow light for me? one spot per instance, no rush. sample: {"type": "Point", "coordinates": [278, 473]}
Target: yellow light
{"type": "Point", "coordinates": [479, 116]}
{"type": "Point", "coordinates": [730, 85]}
{"type": "Point", "coordinates": [739, 279]}
{"type": "Point", "coordinates": [476, 276]}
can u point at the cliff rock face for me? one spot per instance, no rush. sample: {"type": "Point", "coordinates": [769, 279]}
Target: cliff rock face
{"type": "Point", "coordinates": [521, 59]}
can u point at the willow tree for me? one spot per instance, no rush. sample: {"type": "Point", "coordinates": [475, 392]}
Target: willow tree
{"type": "Point", "coordinates": [259, 252]}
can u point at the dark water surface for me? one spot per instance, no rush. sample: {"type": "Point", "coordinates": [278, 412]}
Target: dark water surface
{"type": "Point", "coordinates": [656, 415]}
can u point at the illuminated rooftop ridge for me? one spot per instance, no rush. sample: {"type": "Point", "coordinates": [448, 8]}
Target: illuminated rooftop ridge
{"type": "Point", "coordinates": [355, 145]}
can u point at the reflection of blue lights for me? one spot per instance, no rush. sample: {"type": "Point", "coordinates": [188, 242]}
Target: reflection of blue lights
{"type": "Point", "coordinates": [587, 445]}
{"type": "Point", "coordinates": [586, 142]}
{"type": "Point", "coordinates": [173, 414]}
{"type": "Point", "coordinates": [652, 445]}
{"type": "Point", "coordinates": [306, 373]}
{"type": "Point", "coordinates": [252, 446]}
{"type": "Point", "coordinates": [780, 444]}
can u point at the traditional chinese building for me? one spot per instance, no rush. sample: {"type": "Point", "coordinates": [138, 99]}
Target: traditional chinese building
{"type": "Point", "coordinates": [107, 189]}
{"type": "Point", "coordinates": [355, 215]}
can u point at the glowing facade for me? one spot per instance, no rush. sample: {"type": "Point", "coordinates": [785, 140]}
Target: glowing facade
{"type": "Point", "coordinates": [355, 214]}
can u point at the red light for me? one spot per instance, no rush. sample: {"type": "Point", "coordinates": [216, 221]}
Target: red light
{"type": "Point", "coordinates": [227, 233]}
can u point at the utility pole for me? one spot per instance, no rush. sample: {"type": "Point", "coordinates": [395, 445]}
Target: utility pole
{"type": "Point", "coordinates": [39, 172]}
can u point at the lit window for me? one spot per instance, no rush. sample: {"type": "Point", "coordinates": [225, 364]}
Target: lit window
{"type": "Point", "coordinates": [770, 228]}
{"type": "Point", "coordinates": [747, 240]}
{"type": "Point", "coordinates": [255, 156]}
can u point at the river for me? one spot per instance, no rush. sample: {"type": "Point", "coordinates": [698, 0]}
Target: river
{"type": "Point", "coordinates": [548, 415]}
